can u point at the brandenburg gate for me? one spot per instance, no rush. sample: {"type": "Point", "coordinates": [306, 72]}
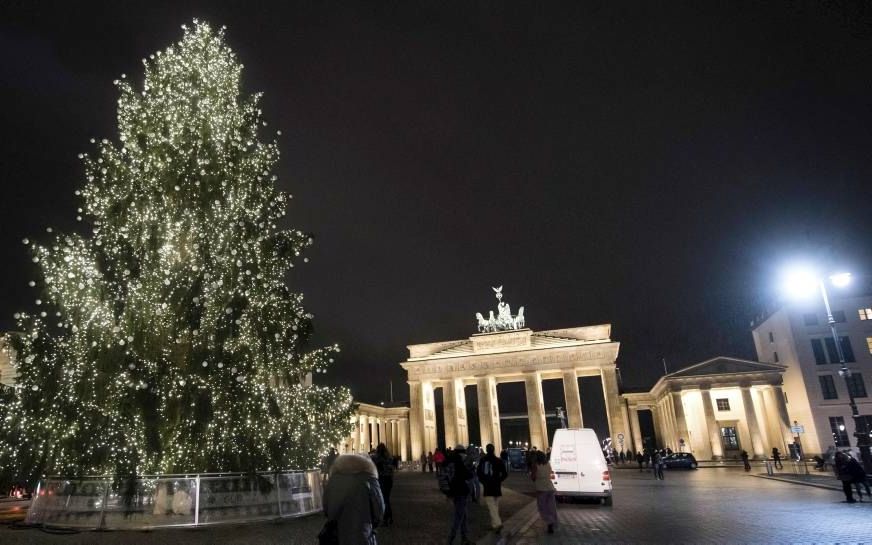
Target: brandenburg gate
{"type": "Point", "coordinates": [504, 350]}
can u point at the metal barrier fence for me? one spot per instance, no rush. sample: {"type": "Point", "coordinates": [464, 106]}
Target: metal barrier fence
{"type": "Point", "coordinates": [167, 501]}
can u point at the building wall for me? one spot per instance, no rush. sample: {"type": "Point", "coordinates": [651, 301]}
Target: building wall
{"type": "Point", "coordinates": [792, 341]}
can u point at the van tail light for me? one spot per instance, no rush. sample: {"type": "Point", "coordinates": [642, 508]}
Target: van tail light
{"type": "Point", "coordinates": [553, 476]}
{"type": "Point", "coordinates": [607, 476]}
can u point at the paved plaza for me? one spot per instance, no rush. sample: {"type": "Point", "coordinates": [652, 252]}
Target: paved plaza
{"type": "Point", "coordinates": [710, 505]}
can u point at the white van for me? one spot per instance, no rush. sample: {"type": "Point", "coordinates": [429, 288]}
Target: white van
{"type": "Point", "coordinates": [579, 466]}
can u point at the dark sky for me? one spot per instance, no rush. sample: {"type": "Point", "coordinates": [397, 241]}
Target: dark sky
{"type": "Point", "coordinates": [644, 164]}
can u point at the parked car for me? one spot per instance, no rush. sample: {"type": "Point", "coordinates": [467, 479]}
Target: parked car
{"type": "Point", "coordinates": [680, 460]}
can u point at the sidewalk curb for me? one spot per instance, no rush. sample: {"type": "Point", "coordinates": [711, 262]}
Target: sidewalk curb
{"type": "Point", "coordinates": [795, 481]}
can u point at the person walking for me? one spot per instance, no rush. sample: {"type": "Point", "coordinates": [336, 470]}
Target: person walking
{"type": "Point", "coordinates": [858, 476]}
{"type": "Point", "coordinates": [845, 473]}
{"type": "Point", "coordinates": [471, 461]}
{"type": "Point", "coordinates": [491, 473]}
{"type": "Point", "coordinates": [545, 499]}
{"type": "Point", "coordinates": [657, 464]}
{"type": "Point", "coordinates": [776, 458]}
{"type": "Point", "coordinates": [353, 501]}
{"type": "Point", "coordinates": [384, 465]}
{"type": "Point", "coordinates": [430, 462]}
{"type": "Point", "coordinates": [438, 458]}
{"type": "Point", "coordinates": [458, 491]}
{"type": "Point", "coordinates": [423, 462]}
{"type": "Point", "coordinates": [745, 462]}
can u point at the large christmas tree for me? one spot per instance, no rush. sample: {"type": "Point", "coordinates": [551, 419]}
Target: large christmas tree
{"type": "Point", "coordinates": [166, 340]}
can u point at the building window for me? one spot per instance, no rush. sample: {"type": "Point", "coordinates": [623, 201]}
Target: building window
{"type": "Point", "coordinates": [771, 337]}
{"type": "Point", "coordinates": [869, 344]}
{"type": "Point", "coordinates": [847, 351]}
{"type": "Point", "coordinates": [818, 348]}
{"type": "Point", "coordinates": [810, 319]}
{"type": "Point", "coordinates": [865, 313]}
{"type": "Point", "coordinates": [856, 385]}
{"type": "Point", "coordinates": [828, 387]}
{"type": "Point", "coordinates": [723, 404]}
{"type": "Point", "coordinates": [840, 433]}
{"type": "Point", "coordinates": [775, 356]}
{"type": "Point", "coordinates": [839, 316]}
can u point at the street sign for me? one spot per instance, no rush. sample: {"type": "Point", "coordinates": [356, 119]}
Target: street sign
{"type": "Point", "coordinates": [797, 429]}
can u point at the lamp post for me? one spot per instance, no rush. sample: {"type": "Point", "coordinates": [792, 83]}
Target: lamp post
{"type": "Point", "coordinates": [860, 432]}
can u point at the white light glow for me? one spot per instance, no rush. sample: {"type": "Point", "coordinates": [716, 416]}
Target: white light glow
{"type": "Point", "coordinates": [800, 283]}
{"type": "Point", "coordinates": [841, 280]}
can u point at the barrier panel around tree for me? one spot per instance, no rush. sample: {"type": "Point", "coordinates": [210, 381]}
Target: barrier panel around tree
{"type": "Point", "coordinates": [99, 503]}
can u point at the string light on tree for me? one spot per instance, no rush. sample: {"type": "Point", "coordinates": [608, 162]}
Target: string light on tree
{"type": "Point", "coordinates": [181, 281]}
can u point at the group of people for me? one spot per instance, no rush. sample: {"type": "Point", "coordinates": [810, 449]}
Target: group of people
{"type": "Point", "coordinates": [651, 459]}
{"type": "Point", "coordinates": [357, 497]}
{"type": "Point", "coordinates": [852, 475]}
{"type": "Point", "coordinates": [466, 476]}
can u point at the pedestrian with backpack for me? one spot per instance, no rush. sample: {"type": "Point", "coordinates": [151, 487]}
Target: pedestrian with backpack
{"type": "Point", "coordinates": [453, 480]}
{"type": "Point", "coordinates": [491, 473]}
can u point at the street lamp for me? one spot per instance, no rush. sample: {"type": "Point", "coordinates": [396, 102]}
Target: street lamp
{"type": "Point", "coordinates": [802, 283]}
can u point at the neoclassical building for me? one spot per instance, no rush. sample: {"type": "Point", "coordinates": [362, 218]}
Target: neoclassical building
{"type": "Point", "coordinates": [506, 351]}
{"type": "Point", "coordinates": [715, 409]}
{"type": "Point", "coordinates": [374, 424]}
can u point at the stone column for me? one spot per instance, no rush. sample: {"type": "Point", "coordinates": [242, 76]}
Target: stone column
{"type": "Point", "coordinates": [777, 395]}
{"type": "Point", "coordinates": [373, 433]}
{"type": "Point", "coordinates": [389, 436]}
{"type": "Point", "coordinates": [712, 430]}
{"type": "Point", "coordinates": [416, 419]}
{"type": "Point", "coordinates": [382, 432]}
{"type": "Point", "coordinates": [753, 426]}
{"type": "Point", "coordinates": [455, 413]}
{"type": "Point", "coordinates": [572, 397]}
{"type": "Point", "coordinates": [488, 412]}
{"type": "Point", "coordinates": [609, 378]}
{"type": "Point", "coordinates": [658, 425]}
{"type": "Point", "coordinates": [637, 430]}
{"type": "Point", "coordinates": [429, 417]}
{"type": "Point", "coordinates": [536, 411]}
{"type": "Point", "coordinates": [404, 439]}
{"type": "Point", "coordinates": [680, 421]}
{"type": "Point", "coordinates": [364, 434]}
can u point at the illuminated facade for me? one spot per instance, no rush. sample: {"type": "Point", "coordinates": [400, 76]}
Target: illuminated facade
{"type": "Point", "coordinates": [715, 410]}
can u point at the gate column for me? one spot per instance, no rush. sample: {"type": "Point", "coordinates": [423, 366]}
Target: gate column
{"type": "Point", "coordinates": [536, 411]}
{"type": "Point", "coordinates": [572, 397]}
{"type": "Point", "coordinates": [488, 412]}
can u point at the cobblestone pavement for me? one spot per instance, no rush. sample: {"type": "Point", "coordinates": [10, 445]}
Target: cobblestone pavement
{"type": "Point", "coordinates": [422, 514]}
{"type": "Point", "coordinates": [723, 505]}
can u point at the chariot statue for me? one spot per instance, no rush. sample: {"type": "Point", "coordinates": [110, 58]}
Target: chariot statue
{"type": "Point", "coordinates": [503, 321]}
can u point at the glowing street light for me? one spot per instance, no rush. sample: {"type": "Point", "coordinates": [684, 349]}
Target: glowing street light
{"type": "Point", "coordinates": [801, 283]}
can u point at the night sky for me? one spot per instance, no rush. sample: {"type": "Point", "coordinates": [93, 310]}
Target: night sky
{"type": "Point", "coordinates": [651, 166]}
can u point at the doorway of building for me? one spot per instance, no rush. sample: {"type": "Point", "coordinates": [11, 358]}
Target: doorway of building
{"type": "Point", "coordinates": [730, 441]}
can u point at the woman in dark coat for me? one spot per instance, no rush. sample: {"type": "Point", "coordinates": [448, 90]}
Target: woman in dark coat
{"type": "Point", "coordinates": [384, 464]}
{"type": "Point", "coordinates": [353, 499]}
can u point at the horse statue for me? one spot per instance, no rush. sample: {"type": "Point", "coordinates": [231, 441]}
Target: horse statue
{"type": "Point", "coordinates": [482, 323]}
{"type": "Point", "coordinates": [519, 319]}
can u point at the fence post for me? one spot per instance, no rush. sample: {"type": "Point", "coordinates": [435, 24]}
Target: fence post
{"type": "Point", "coordinates": [102, 522]}
{"type": "Point", "coordinates": [197, 502]}
{"type": "Point", "coordinates": [278, 494]}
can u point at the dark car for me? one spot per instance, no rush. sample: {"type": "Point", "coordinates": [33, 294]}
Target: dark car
{"type": "Point", "coordinates": [680, 460]}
